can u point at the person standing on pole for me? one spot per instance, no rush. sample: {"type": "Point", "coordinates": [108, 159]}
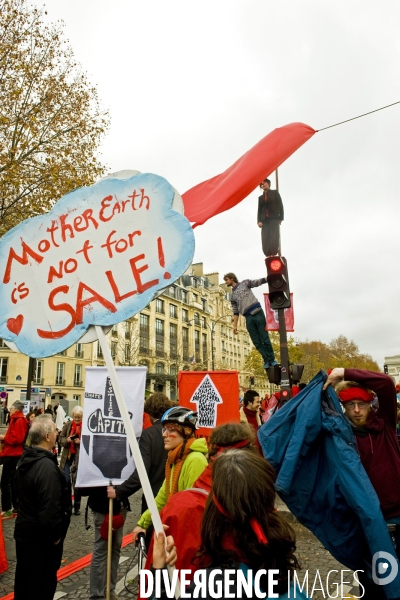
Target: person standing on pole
{"type": "Point", "coordinates": [245, 303]}
{"type": "Point", "coordinates": [269, 217]}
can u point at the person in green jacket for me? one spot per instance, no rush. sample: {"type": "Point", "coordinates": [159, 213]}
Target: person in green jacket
{"type": "Point", "coordinates": [186, 458]}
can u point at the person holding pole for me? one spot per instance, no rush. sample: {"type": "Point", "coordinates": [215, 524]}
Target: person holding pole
{"type": "Point", "coordinates": [103, 556]}
{"type": "Point", "coordinates": [245, 303]}
{"type": "Point", "coordinates": [186, 459]}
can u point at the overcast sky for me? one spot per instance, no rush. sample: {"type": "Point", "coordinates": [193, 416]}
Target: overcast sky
{"type": "Point", "coordinates": [191, 86]}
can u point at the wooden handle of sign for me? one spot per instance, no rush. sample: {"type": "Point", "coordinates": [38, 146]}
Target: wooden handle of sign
{"type": "Point", "coordinates": [130, 434]}
{"type": "Point", "coordinates": [109, 548]}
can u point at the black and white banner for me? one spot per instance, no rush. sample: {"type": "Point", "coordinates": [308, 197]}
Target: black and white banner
{"type": "Point", "coordinates": [105, 452]}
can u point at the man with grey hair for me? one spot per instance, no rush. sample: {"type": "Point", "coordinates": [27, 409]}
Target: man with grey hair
{"type": "Point", "coordinates": [44, 510]}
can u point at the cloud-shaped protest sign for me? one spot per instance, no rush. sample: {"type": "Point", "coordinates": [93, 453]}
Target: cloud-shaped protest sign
{"type": "Point", "coordinates": [97, 258]}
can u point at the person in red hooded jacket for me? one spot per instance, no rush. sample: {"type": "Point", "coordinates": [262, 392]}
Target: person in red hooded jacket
{"type": "Point", "coordinates": [13, 447]}
{"type": "Point", "coordinates": [188, 505]}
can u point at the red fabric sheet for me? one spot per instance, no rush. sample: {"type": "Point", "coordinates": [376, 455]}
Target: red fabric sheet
{"type": "Point", "coordinates": [224, 191]}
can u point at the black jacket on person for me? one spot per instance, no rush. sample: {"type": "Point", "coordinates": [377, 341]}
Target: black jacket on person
{"type": "Point", "coordinates": [44, 503]}
{"type": "Point", "coordinates": [270, 209]}
{"type": "Point", "coordinates": [99, 502]}
{"type": "Point", "coordinates": [154, 456]}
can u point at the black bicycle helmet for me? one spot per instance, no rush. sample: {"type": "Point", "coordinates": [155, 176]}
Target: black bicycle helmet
{"type": "Point", "coordinates": [181, 416]}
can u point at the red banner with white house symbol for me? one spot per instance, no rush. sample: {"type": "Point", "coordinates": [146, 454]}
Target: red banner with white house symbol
{"type": "Point", "coordinates": [213, 394]}
{"type": "Point", "coordinates": [272, 316]}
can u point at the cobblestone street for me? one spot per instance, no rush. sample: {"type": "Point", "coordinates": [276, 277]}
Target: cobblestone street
{"type": "Point", "coordinates": [311, 554]}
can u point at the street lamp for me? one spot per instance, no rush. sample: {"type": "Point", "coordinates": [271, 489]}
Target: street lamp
{"type": "Point", "coordinates": [212, 331]}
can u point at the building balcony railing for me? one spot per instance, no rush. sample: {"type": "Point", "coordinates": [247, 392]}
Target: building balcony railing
{"type": "Point", "coordinates": [78, 353]}
{"type": "Point", "coordinates": [38, 380]}
{"type": "Point", "coordinates": [144, 350]}
{"type": "Point", "coordinates": [3, 379]}
{"type": "Point", "coordinates": [160, 311]}
{"type": "Point", "coordinates": [160, 353]}
{"type": "Point", "coordinates": [60, 381]}
{"type": "Point", "coordinates": [78, 383]}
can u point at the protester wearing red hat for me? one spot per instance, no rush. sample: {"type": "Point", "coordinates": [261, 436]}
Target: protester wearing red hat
{"type": "Point", "coordinates": [376, 439]}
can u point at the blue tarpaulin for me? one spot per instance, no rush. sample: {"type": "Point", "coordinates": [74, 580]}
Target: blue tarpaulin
{"type": "Point", "coordinates": [321, 479]}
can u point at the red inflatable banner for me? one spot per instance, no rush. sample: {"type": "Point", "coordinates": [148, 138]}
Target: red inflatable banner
{"type": "Point", "coordinates": [224, 191]}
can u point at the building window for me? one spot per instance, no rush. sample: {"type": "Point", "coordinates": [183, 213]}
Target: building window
{"type": "Point", "coordinates": [172, 291]}
{"type": "Point", "coordinates": [113, 350]}
{"type": "Point", "coordinates": [160, 306]}
{"type": "Point", "coordinates": [195, 298]}
{"type": "Point", "coordinates": [144, 345]}
{"type": "Point", "coordinates": [184, 296]}
{"type": "Point", "coordinates": [114, 330]}
{"type": "Point", "coordinates": [77, 398]}
{"type": "Point", "coordinates": [160, 327]}
{"type": "Point", "coordinates": [204, 345]}
{"type": "Point", "coordinates": [173, 311]}
{"type": "Point", "coordinates": [144, 363]}
{"type": "Point", "coordinates": [144, 322]}
{"type": "Point", "coordinates": [127, 330]}
{"type": "Point", "coordinates": [185, 315]}
{"type": "Point", "coordinates": [99, 351]}
{"type": "Point", "coordinates": [127, 353]}
{"type": "Point", "coordinates": [38, 379]}
{"type": "Point", "coordinates": [185, 343]}
{"type": "Point", "coordinates": [159, 368]}
{"type": "Point", "coordinates": [78, 375]}
{"type": "Point", "coordinates": [173, 370]}
{"type": "Point", "coordinates": [204, 304]}
{"type": "Point", "coordinates": [172, 392]}
{"type": "Point", "coordinates": [159, 347]}
{"type": "Point", "coordinates": [203, 323]}
{"type": "Point", "coordinates": [2, 343]}
{"type": "Point", "coordinates": [196, 319]}
{"type": "Point", "coordinates": [3, 370]}
{"type": "Point", "coordinates": [197, 345]}
{"type": "Point", "coordinates": [173, 340]}
{"type": "Point", "coordinates": [78, 350]}
{"type": "Point", "coordinates": [60, 370]}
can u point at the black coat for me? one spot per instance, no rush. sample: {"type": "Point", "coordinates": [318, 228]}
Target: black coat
{"type": "Point", "coordinates": [273, 206]}
{"type": "Point", "coordinates": [44, 502]}
{"type": "Point", "coordinates": [154, 456]}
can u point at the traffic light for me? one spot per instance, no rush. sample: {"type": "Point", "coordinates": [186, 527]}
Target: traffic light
{"type": "Point", "coordinates": [385, 369]}
{"type": "Point", "coordinates": [251, 380]}
{"type": "Point", "coordinates": [278, 282]}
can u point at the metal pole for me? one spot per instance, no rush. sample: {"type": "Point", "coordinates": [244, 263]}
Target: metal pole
{"type": "Point", "coordinates": [276, 180]}
{"type": "Point", "coordinates": [31, 370]}
{"type": "Point", "coordinates": [286, 391]}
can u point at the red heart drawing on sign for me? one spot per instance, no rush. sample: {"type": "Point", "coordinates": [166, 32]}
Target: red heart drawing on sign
{"type": "Point", "coordinates": [15, 325]}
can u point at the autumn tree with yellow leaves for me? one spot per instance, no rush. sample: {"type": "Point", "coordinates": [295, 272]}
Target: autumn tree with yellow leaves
{"type": "Point", "coordinates": [51, 123]}
{"type": "Point", "coordinates": [316, 355]}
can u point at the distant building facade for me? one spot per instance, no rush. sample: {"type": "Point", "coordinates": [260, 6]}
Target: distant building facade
{"type": "Point", "coordinates": [393, 367]}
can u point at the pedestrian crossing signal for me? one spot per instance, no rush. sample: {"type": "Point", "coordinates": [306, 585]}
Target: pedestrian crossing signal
{"type": "Point", "coordinates": [278, 282]}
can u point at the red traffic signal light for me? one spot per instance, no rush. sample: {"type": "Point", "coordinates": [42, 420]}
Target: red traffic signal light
{"type": "Point", "coordinates": [278, 282]}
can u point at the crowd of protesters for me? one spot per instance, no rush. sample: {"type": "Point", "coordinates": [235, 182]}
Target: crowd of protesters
{"type": "Point", "coordinates": [217, 497]}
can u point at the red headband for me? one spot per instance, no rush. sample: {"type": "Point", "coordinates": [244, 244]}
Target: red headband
{"type": "Point", "coordinates": [355, 393]}
{"type": "Point", "coordinates": [254, 524]}
{"type": "Point", "coordinates": [240, 444]}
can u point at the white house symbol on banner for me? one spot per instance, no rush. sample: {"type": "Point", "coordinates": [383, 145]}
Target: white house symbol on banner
{"type": "Point", "coordinates": [207, 397]}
